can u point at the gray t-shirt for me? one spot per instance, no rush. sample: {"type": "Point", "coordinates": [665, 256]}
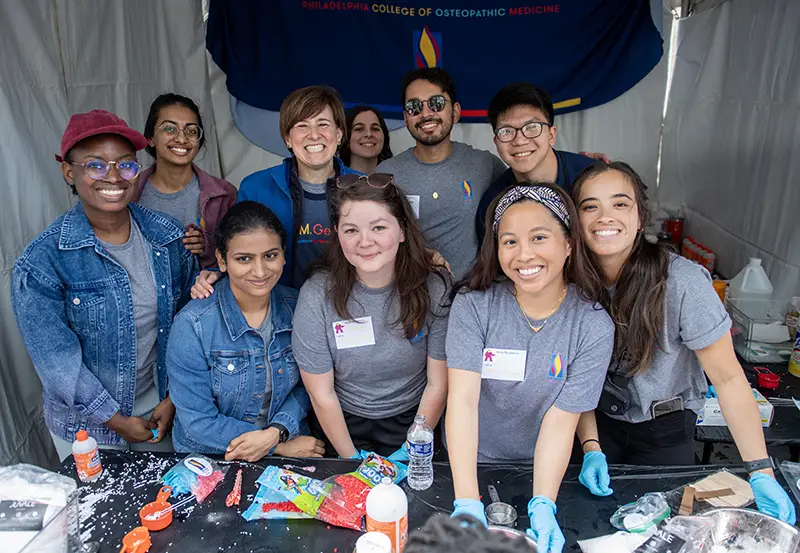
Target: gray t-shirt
{"type": "Point", "coordinates": [694, 318]}
{"type": "Point", "coordinates": [374, 381]}
{"type": "Point", "coordinates": [265, 331]}
{"type": "Point", "coordinates": [315, 230]}
{"type": "Point", "coordinates": [183, 205]}
{"type": "Point", "coordinates": [446, 196]}
{"type": "Point", "coordinates": [134, 256]}
{"type": "Point", "coordinates": [564, 364]}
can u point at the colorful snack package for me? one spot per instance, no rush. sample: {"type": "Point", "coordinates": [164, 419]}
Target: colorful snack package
{"type": "Point", "coordinates": [345, 504]}
{"type": "Point", "coordinates": [305, 492]}
{"type": "Point", "coordinates": [195, 474]}
{"type": "Point", "coordinates": [269, 504]}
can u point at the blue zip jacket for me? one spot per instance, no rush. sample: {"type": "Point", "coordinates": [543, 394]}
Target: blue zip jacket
{"type": "Point", "coordinates": [217, 369]}
{"type": "Point", "coordinates": [74, 308]}
{"type": "Point", "coordinates": [271, 187]}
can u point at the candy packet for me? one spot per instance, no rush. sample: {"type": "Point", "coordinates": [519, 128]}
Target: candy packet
{"type": "Point", "coordinates": [269, 504]}
{"type": "Point", "coordinates": [306, 493]}
{"type": "Point", "coordinates": [195, 474]}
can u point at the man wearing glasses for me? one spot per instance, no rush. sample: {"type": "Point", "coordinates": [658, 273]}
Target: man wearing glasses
{"type": "Point", "coordinates": [522, 118]}
{"type": "Point", "coordinates": [444, 180]}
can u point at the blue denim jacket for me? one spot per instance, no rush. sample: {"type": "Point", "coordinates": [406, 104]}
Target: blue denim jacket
{"type": "Point", "coordinates": [75, 311]}
{"type": "Point", "coordinates": [217, 371]}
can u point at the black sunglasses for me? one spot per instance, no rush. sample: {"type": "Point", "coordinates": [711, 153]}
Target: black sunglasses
{"type": "Point", "coordinates": [435, 103]}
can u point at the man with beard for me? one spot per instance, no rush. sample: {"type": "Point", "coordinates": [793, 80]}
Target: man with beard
{"type": "Point", "coordinates": [444, 180]}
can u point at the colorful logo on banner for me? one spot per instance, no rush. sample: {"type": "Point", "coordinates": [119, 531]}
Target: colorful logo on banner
{"type": "Point", "coordinates": [427, 48]}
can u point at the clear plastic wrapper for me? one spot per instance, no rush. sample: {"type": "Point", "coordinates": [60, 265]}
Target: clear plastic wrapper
{"type": "Point", "coordinates": [648, 511]}
{"type": "Point", "coordinates": [340, 500]}
{"type": "Point", "coordinates": [791, 472]}
{"type": "Point", "coordinates": [269, 504]}
{"type": "Point", "coordinates": [195, 474]}
{"type": "Point", "coordinates": [680, 535]}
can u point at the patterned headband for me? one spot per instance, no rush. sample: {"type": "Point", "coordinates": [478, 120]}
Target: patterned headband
{"type": "Point", "coordinates": [541, 194]}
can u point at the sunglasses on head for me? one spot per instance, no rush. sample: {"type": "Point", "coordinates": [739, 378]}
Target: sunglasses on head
{"type": "Point", "coordinates": [435, 103]}
{"type": "Point", "coordinates": [375, 180]}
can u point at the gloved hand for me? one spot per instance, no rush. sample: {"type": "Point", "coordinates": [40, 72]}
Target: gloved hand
{"type": "Point", "coordinates": [544, 528]}
{"type": "Point", "coordinates": [471, 507]}
{"type": "Point", "coordinates": [359, 454]}
{"type": "Point", "coordinates": [772, 499]}
{"type": "Point", "coordinates": [401, 454]}
{"type": "Point", "coordinates": [594, 474]}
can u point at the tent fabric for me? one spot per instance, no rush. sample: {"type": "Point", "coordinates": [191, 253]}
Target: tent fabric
{"type": "Point", "coordinates": [731, 136]}
{"type": "Point", "coordinates": [57, 58]}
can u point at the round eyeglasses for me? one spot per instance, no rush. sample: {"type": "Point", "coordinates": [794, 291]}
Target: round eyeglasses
{"type": "Point", "coordinates": [97, 170]}
{"type": "Point", "coordinates": [192, 132]}
{"type": "Point", "coordinates": [529, 130]}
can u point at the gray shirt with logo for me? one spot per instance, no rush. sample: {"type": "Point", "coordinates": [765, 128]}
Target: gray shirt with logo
{"type": "Point", "coordinates": [134, 257]}
{"type": "Point", "coordinates": [183, 205]}
{"type": "Point", "coordinates": [565, 364]}
{"type": "Point", "coordinates": [694, 318]}
{"type": "Point", "coordinates": [447, 195]}
{"type": "Point", "coordinates": [372, 381]}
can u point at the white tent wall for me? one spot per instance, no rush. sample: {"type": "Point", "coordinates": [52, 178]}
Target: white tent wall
{"type": "Point", "coordinates": [57, 58]}
{"type": "Point", "coordinates": [732, 138]}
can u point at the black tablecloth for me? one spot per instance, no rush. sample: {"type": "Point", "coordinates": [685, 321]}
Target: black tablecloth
{"type": "Point", "coordinates": [109, 507]}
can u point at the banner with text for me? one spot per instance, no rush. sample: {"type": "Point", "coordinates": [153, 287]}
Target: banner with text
{"type": "Point", "coordinates": [583, 52]}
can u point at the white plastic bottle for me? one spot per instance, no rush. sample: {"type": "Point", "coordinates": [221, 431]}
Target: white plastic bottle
{"type": "Point", "coordinates": [373, 542]}
{"type": "Point", "coordinates": [87, 457]}
{"type": "Point", "coordinates": [387, 513]}
{"type": "Point", "coordinates": [751, 290]}
{"type": "Point", "coordinates": [420, 454]}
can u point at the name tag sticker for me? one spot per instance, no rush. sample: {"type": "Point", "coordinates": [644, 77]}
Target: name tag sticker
{"type": "Point", "coordinates": [414, 201]}
{"type": "Point", "coordinates": [504, 364]}
{"type": "Point", "coordinates": [354, 334]}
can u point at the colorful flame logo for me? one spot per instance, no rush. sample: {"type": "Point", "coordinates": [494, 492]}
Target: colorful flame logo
{"type": "Point", "coordinates": [465, 186]}
{"type": "Point", "coordinates": [428, 51]}
{"type": "Point", "coordinates": [556, 367]}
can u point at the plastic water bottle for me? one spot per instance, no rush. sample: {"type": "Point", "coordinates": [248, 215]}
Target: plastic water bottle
{"type": "Point", "coordinates": [420, 454]}
{"type": "Point", "coordinates": [387, 513]}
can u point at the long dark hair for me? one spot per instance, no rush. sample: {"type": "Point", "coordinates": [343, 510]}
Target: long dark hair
{"type": "Point", "coordinates": [345, 153]}
{"type": "Point", "coordinates": [163, 101]}
{"type": "Point", "coordinates": [577, 268]}
{"type": "Point", "coordinates": [413, 265]}
{"type": "Point", "coordinates": [637, 304]}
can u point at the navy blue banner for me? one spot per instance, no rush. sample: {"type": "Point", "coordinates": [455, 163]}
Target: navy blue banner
{"type": "Point", "coordinates": [583, 52]}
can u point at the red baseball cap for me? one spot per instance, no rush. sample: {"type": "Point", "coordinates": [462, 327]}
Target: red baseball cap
{"type": "Point", "coordinates": [97, 121]}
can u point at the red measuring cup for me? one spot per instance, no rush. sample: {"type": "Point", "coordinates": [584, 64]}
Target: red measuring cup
{"type": "Point", "coordinates": [767, 379]}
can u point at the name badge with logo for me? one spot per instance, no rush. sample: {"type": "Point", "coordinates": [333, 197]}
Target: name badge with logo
{"type": "Point", "coordinates": [354, 334]}
{"type": "Point", "coordinates": [504, 364]}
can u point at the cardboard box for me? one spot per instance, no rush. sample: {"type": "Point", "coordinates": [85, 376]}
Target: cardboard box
{"type": "Point", "coordinates": [711, 414]}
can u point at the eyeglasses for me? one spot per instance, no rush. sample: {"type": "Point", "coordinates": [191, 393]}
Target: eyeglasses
{"type": "Point", "coordinates": [375, 180]}
{"type": "Point", "coordinates": [435, 103]}
{"type": "Point", "coordinates": [529, 130]}
{"type": "Point", "coordinates": [192, 132]}
{"type": "Point", "coordinates": [97, 170]}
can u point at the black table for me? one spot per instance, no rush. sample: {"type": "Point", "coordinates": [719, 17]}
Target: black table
{"type": "Point", "coordinates": [785, 427]}
{"type": "Point", "coordinates": [109, 507]}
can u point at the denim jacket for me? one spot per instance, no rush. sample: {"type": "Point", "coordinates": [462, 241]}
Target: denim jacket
{"type": "Point", "coordinates": [74, 308]}
{"type": "Point", "coordinates": [217, 369]}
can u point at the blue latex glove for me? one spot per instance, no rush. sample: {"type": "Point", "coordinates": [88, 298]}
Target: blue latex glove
{"type": "Point", "coordinates": [594, 474]}
{"type": "Point", "coordinates": [772, 499]}
{"type": "Point", "coordinates": [472, 507]}
{"type": "Point", "coordinates": [401, 454]}
{"type": "Point", "coordinates": [544, 528]}
{"type": "Point", "coordinates": [359, 454]}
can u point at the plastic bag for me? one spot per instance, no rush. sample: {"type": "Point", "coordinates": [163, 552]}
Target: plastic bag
{"type": "Point", "coordinates": [340, 500]}
{"type": "Point", "coordinates": [195, 474]}
{"type": "Point", "coordinates": [679, 535]}
{"type": "Point", "coordinates": [638, 517]}
{"type": "Point", "coordinates": [791, 472]}
{"type": "Point", "coordinates": [269, 504]}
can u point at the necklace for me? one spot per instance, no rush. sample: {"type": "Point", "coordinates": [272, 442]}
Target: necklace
{"type": "Point", "coordinates": [547, 318]}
